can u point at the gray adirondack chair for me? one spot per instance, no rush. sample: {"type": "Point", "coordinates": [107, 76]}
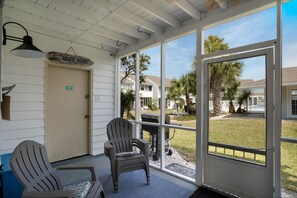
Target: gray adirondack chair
{"type": "Point", "coordinates": [119, 149]}
{"type": "Point", "coordinates": [30, 164]}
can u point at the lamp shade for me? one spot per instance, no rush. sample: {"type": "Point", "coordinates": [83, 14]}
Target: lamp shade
{"type": "Point", "coordinates": [27, 49]}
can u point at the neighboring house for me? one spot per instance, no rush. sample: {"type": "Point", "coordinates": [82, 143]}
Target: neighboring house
{"type": "Point", "coordinates": [256, 102]}
{"type": "Point", "coordinates": [157, 82]}
{"type": "Point", "coordinates": [149, 90]}
{"type": "Point", "coordinates": [289, 93]}
{"type": "Point", "coordinates": [127, 84]}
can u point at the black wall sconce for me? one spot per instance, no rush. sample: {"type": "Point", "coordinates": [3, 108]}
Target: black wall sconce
{"type": "Point", "coordinates": [27, 49]}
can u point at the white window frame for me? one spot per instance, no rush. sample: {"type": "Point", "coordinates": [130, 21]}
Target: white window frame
{"type": "Point", "coordinates": [289, 102]}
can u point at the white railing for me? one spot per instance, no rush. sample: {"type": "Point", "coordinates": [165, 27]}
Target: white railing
{"type": "Point", "coordinates": [250, 155]}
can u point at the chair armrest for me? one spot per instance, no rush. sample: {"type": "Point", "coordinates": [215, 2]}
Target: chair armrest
{"type": "Point", "coordinates": [109, 150]}
{"type": "Point", "coordinates": [89, 167]}
{"type": "Point", "coordinates": [143, 145]}
{"type": "Point", "coordinates": [49, 194]}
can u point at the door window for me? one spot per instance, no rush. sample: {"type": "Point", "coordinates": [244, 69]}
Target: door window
{"type": "Point", "coordinates": [237, 129]}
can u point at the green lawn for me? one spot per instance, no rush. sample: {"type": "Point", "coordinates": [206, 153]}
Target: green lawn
{"type": "Point", "coordinates": [246, 132]}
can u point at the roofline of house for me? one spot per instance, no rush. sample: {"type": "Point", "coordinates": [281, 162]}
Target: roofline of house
{"type": "Point", "coordinates": [259, 86]}
{"type": "Point", "coordinates": [256, 86]}
{"type": "Point", "coordinates": [289, 84]}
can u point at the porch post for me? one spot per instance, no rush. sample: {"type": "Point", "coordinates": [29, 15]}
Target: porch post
{"type": "Point", "coordinates": [137, 98]}
{"type": "Point", "coordinates": [118, 88]}
{"type": "Point", "coordinates": [199, 107]}
{"type": "Point", "coordinates": [163, 110]}
{"type": "Point", "coordinates": [278, 103]}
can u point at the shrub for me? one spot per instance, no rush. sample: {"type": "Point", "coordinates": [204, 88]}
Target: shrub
{"type": "Point", "coordinates": [152, 106]}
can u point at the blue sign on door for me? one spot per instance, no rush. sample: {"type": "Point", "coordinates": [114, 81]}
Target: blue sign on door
{"type": "Point", "coordinates": [69, 87]}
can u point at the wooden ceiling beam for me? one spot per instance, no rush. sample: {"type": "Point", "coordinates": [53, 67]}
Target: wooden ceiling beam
{"type": "Point", "coordinates": [157, 12]}
{"type": "Point", "coordinates": [94, 18]}
{"type": "Point", "coordinates": [47, 13]}
{"type": "Point", "coordinates": [129, 16]}
{"type": "Point", "coordinates": [41, 22]}
{"type": "Point", "coordinates": [120, 27]}
{"type": "Point", "coordinates": [188, 8]}
{"type": "Point", "coordinates": [61, 30]}
{"type": "Point", "coordinates": [223, 4]}
{"type": "Point", "coordinates": [72, 7]}
{"type": "Point", "coordinates": [112, 35]}
{"type": "Point", "coordinates": [103, 41]}
{"type": "Point", "coordinates": [39, 29]}
{"type": "Point", "coordinates": [47, 23]}
{"type": "Point", "coordinates": [59, 35]}
{"type": "Point", "coordinates": [96, 45]}
{"type": "Point", "coordinates": [126, 15]}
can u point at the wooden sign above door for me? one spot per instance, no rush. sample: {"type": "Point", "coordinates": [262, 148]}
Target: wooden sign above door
{"type": "Point", "coordinates": [69, 59]}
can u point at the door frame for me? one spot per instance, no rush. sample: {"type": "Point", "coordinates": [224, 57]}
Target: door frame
{"type": "Point", "coordinates": [90, 80]}
{"type": "Point", "coordinates": [202, 127]}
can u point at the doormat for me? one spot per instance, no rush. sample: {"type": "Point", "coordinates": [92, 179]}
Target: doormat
{"type": "Point", "coordinates": [181, 169]}
{"type": "Point", "coordinates": [203, 192]}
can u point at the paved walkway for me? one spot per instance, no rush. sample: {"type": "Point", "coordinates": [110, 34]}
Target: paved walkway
{"type": "Point", "coordinates": [239, 115]}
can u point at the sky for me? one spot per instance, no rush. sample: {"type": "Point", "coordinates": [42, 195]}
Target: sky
{"type": "Point", "coordinates": [258, 27]}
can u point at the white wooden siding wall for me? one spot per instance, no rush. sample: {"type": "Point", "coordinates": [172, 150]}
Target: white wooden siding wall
{"type": "Point", "coordinates": [104, 100]}
{"type": "Point", "coordinates": [28, 97]}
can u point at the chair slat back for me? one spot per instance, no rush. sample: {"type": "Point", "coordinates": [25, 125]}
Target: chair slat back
{"type": "Point", "coordinates": [31, 166]}
{"type": "Point", "coordinates": [119, 132]}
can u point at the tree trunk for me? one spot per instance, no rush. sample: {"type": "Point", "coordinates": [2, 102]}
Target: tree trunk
{"type": "Point", "coordinates": [231, 107]}
{"type": "Point", "coordinates": [239, 109]}
{"type": "Point", "coordinates": [129, 108]}
{"type": "Point", "coordinates": [216, 91]}
{"type": "Point", "coordinates": [189, 105]}
{"type": "Point", "coordinates": [122, 112]}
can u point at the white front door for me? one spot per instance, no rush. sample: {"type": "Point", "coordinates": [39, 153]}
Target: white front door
{"type": "Point", "coordinates": [67, 113]}
{"type": "Point", "coordinates": [238, 147]}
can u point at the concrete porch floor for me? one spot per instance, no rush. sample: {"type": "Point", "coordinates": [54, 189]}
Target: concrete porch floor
{"type": "Point", "coordinates": [102, 166]}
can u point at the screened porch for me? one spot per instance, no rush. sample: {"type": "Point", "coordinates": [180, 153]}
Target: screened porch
{"type": "Point", "coordinates": [209, 84]}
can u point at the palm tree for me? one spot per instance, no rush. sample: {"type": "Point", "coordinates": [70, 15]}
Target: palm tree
{"type": "Point", "coordinates": [188, 83]}
{"type": "Point", "coordinates": [242, 98]}
{"type": "Point", "coordinates": [220, 73]}
{"type": "Point", "coordinates": [184, 86]}
{"type": "Point", "coordinates": [230, 94]}
{"type": "Point", "coordinates": [127, 100]}
{"type": "Point", "coordinates": [174, 91]}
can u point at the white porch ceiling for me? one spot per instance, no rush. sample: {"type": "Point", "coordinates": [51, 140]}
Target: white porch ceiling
{"type": "Point", "coordinates": [112, 25]}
